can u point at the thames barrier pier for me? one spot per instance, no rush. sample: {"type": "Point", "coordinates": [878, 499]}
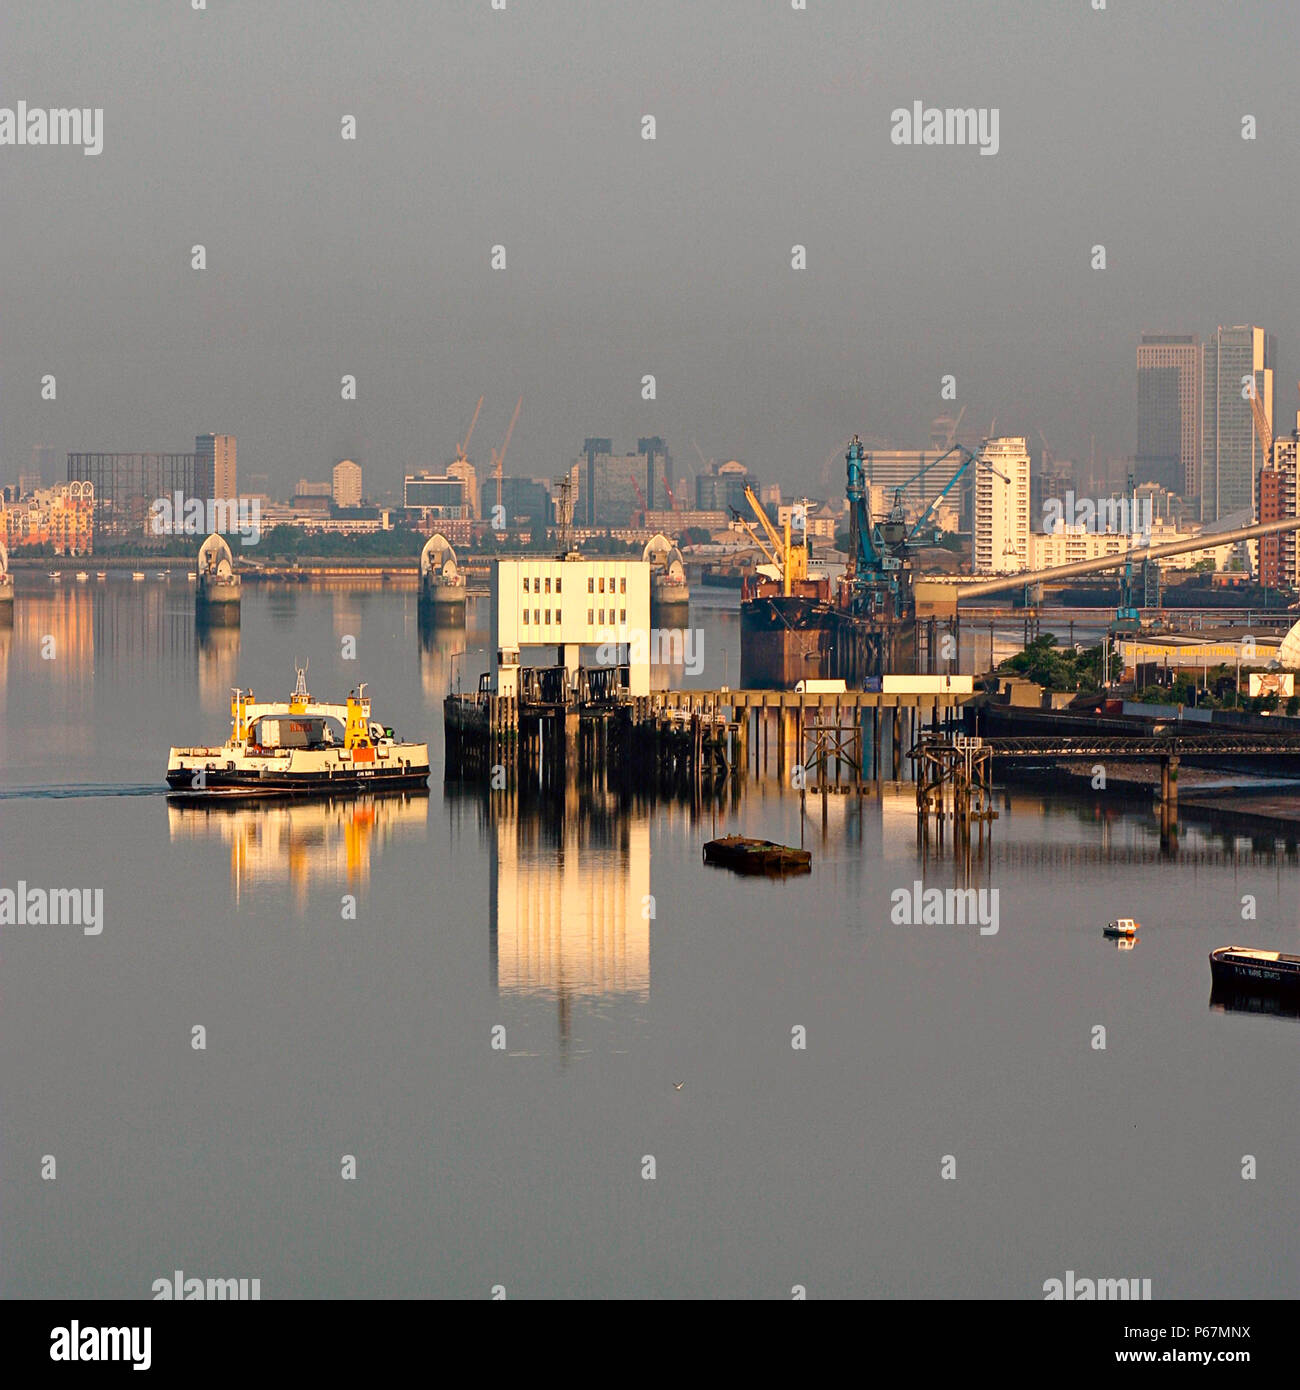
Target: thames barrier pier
{"type": "Point", "coordinates": [217, 592]}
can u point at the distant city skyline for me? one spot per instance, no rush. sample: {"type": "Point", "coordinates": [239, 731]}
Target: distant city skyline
{"type": "Point", "coordinates": [625, 258]}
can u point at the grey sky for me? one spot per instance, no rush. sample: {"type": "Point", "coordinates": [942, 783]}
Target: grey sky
{"type": "Point", "coordinates": [475, 127]}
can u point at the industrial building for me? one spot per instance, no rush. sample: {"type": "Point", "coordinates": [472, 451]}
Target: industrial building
{"type": "Point", "coordinates": [612, 488]}
{"type": "Point", "coordinates": [126, 485]}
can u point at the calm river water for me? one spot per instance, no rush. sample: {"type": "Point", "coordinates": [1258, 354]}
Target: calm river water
{"type": "Point", "coordinates": [590, 945]}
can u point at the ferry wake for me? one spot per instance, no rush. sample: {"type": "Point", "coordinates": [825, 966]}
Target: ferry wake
{"type": "Point", "coordinates": [292, 748]}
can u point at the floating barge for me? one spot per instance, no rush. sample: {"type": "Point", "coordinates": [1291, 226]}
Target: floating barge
{"type": "Point", "coordinates": [748, 856]}
{"type": "Point", "coordinates": [1248, 969]}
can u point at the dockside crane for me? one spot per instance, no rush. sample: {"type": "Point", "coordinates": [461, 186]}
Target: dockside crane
{"type": "Point", "coordinates": [880, 548]}
{"type": "Point", "coordinates": [789, 559]}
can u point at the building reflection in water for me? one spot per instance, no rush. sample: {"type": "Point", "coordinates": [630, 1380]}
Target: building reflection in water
{"type": "Point", "coordinates": [314, 843]}
{"type": "Point", "coordinates": [452, 657]}
{"type": "Point", "coordinates": [218, 651]}
{"type": "Point", "coordinates": [570, 908]}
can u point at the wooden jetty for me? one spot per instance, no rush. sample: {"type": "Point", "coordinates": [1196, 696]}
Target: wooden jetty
{"type": "Point", "coordinates": [556, 728]}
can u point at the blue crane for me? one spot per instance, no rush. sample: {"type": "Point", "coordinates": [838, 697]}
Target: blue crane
{"type": "Point", "coordinates": [879, 548]}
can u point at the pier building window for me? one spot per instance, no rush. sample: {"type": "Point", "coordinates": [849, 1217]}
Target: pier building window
{"type": "Point", "coordinates": [525, 617]}
{"type": "Point", "coordinates": [558, 582]}
{"type": "Point", "coordinates": [557, 615]}
{"type": "Point", "coordinates": [591, 586]}
{"type": "Point", "coordinates": [548, 617]}
{"type": "Point", "coordinates": [602, 583]}
{"type": "Point", "coordinates": [591, 616]}
{"type": "Point", "coordinates": [622, 615]}
{"type": "Point", "coordinates": [525, 586]}
{"type": "Point", "coordinates": [537, 616]}
{"type": "Point", "coordinates": [622, 585]}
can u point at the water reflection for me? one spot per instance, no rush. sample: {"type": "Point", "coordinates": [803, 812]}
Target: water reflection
{"type": "Point", "coordinates": [218, 650]}
{"type": "Point", "coordinates": [1224, 999]}
{"type": "Point", "coordinates": [304, 843]}
{"type": "Point", "coordinates": [570, 897]}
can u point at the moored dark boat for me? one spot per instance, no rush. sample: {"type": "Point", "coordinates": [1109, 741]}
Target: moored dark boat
{"type": "Point", "coordinates": [756, 856]}
{"type": "Point", "coordinates": [1250, 970]}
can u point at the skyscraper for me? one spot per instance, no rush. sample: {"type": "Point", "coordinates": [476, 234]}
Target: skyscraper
{"type": "Point", "coordinates": [214, 466]}
{"type": "Point", "coordinates": [1169, 383]}
{"type": "Point", "coordinates": [1001, 533]}
{"type": "Point", "coordinates": [1237, 360]}
{"type": "Point", "coordinates": [347, 484]}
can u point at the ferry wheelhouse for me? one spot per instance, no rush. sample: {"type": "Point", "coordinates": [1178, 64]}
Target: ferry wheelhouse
{"type": "Point", "coordinates": [298, 747]}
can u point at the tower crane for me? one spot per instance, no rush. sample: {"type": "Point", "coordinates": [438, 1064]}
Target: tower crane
{"type": "Point", "coordinates": [461, 449]}
{"type": "Point", "coordinates": [499, 460]}
{"type": "Point", "coordinates": [1262, 427]}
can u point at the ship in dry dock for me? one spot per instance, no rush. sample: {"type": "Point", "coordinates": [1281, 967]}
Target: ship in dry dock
{"type": "Point", "coordinates": [795, 625]}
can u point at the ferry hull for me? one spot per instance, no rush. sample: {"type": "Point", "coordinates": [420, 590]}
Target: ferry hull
{"type": "Point", "coordinates": [230, 785]}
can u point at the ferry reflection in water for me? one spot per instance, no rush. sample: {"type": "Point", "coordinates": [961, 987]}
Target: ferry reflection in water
{"type": "Point", "coordinates": [305, 843]}
{"type": "Point", "coordinates": [570, 899]}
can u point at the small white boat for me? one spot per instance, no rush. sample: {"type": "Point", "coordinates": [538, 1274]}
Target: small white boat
{"type": "Point", "coordinates": [56, 574]}
{"type": "Point", "coordinates": [191, 576]}
{"type": "Point", "coordinates": [164, 574]}
{"type": "Point", "coordinates": [1125, 926]}
{"type": "Point", "coordinates": [101, 574]}
{"type": "Point", "coordinates": [137, 575]}
{"type": "Point", "coordinates": [82, 576]}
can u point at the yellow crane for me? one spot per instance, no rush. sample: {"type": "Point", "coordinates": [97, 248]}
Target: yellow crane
{"type": "Point", "coordinates": [1262, 427]}
{"type": "Point", "coordinates": [792, 559]}
{"type": "Point", "coordinates": [499, 460]}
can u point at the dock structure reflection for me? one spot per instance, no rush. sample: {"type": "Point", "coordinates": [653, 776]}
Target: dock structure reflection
{"type": "Point", "coordinates": [570, 897]}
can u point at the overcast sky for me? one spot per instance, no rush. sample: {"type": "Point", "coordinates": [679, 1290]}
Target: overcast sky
{"type": "Point", "coordinates": [624, 256]}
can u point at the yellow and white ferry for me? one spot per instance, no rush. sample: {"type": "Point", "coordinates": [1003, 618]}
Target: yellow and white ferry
{"type": "Point", "coordinates": [293, 748]}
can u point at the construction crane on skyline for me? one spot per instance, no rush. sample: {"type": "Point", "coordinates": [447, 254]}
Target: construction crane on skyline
{"type": "Point", "coordinates": [462, 448]}
{"type": "Point", "coordinates": [499, 460]}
